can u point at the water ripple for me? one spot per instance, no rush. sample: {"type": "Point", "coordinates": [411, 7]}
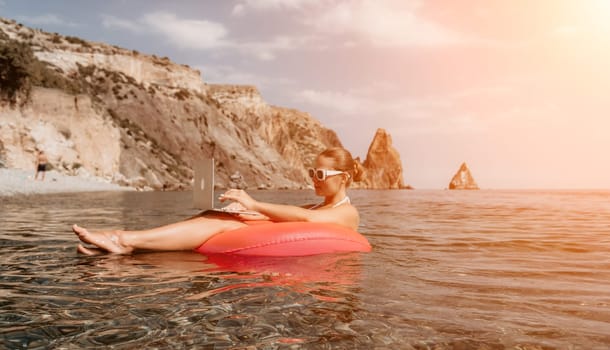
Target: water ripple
{"type": "Point", "coordinates": [449, 270]}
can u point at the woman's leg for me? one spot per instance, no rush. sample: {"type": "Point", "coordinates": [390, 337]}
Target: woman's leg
{"type": "Point", "coordinates": [182, 235]}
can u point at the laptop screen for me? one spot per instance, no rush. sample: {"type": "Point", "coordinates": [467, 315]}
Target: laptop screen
{"type": "Point", "coordinates": [203, 185]}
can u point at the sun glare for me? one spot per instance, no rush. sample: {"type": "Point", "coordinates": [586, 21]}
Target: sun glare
{"type": "Point", "coordinates": [598, 13]}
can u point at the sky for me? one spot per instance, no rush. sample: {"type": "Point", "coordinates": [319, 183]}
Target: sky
{"type": "Point", "coordinates": [517, 89]}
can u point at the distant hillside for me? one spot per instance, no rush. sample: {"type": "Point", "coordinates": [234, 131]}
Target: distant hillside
{"type": "Point", "coordinates": [141, 121]}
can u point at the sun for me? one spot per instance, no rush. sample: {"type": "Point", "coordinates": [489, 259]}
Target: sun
{"type": "Point", "coordinates": [598, 13]}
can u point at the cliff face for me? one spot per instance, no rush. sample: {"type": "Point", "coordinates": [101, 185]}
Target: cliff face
{"type": "Point", "coordinates": [294, 136]}
{"type": "Point", "coordinates": [141, 121]}
{"type": "Point", "coordinates": [383, 168]}
{"type": "Point", "coordinates": [67, 53]}
{"type": "Point", "coordinates": [463, 180]}
{"type": "Point", "coordinates": [77, 141]}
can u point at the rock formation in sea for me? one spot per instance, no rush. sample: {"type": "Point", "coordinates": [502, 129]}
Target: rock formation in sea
{"type": "Point", "coordinates": [463, 180]}
{"type": "Point", "coordinates": [382, 166]}
{"type": "Point", "coordinates": [140, 120]}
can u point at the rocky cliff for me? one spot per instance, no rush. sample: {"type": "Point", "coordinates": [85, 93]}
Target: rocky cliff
{"type": "Point", "coordinates": [383, 167]}
{"type": "Point", "coordinates": [139, 120]}
{"type": "Point", "coordinates": [463, 180]}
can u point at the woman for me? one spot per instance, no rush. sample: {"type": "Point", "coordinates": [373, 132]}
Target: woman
{"type": "Point", "coordinates": [333, 173]}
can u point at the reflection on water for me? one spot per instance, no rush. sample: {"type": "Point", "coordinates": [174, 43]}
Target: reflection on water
{"type": "Point", "coordinates": [169, 299]}
{"type": "Point", "coordinates": [483, 270]}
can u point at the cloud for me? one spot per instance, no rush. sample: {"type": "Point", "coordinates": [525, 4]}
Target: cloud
{"type": "Point", "coordinates": [203, 35]}
{"type": "Point", "coordinates": [245, 6]}
{"type": "Point", "coordinates": [336, 101]}
{"type": "Point", "coordinates": [183, 33]}
{"type": "Point", "coordinates": [193, 34]}
{"type": "Point", "coordinates": [458, 112]}
{"type": "Point", "coordinates": [267, 50]}
{"type": "Point", "coordinates": [384, 24]}
{"type": "Point", "coordinates": [238, 10]}
{"type": "Point", "coordinates": [227, 74]}
{"type": "Point", "coordinates": [322, 25]}
{"type": "Point", "coordinates": [117, 23]}
{"type": "Point", "coordinates": [377, 101]}
{"type": "Point", "coordinates": [47, 19]}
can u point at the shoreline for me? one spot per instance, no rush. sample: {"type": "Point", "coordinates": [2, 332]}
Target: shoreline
{"type": "Point", "coordinates": [15, 182]}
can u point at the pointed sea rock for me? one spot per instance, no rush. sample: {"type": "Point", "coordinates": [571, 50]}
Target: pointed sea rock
{"type": "Point", "coordinates": [383, 168]}
{"type": "Point", "coordinates": [463, 180]}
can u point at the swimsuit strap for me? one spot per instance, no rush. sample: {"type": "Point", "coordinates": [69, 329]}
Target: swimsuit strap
{"type": "Point", "coordinates": [344, 200]}
{"type": "Point", "coordinates": [316, 206]}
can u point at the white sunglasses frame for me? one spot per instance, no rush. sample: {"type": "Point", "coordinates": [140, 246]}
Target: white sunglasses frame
{"type": "Point", "coordinates": [325, 173]}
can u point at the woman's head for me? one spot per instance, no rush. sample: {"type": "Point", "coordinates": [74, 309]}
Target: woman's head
{"type": "Point", "coordinates": [345, 169]}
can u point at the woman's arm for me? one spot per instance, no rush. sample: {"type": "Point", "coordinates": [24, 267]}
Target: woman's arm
{"type": "Point", "coordinates": [245, 216]}
{"type": "Point", "coordinates": [236, 206]}
{"type": "Point", "coordinates": [345, 215]}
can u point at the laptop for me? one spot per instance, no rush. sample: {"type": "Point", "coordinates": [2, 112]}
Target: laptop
{"type": "Point", "coordinates": [203, 189]}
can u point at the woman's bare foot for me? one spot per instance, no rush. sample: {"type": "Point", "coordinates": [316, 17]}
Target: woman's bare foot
{"type": "Point", "coordinates": [89, 251]}
{"type": "Point", "coordinates": [105, 241]}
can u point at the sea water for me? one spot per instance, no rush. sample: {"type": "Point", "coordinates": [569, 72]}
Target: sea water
{"type": "Point", "coordinates": [449, 270]}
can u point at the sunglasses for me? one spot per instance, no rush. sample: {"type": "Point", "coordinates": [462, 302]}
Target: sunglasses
{"type": "Point", "coordinates": [322, 174]}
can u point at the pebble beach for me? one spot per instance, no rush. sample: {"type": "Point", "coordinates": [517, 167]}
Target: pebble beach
{"type": "Point", "coordinates": [21, 182]}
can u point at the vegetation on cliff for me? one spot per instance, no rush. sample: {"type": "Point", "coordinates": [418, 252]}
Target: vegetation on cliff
{"type": "Point", "coordinates": [20, 70]}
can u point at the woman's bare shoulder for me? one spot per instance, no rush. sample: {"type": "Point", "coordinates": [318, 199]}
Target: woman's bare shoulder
{"type": "Point", "coordinates": [346, 215]}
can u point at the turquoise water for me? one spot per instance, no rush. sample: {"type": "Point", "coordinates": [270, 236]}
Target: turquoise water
{"type": "Point", "coordinates": [449, 270]}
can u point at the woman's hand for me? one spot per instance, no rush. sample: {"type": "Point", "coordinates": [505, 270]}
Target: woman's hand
{"type": "Point", "coordinates": [251, 217]}
{"type": "Point", "coordinates": [234, 206]}
{"type": "Point", "coordinates": [239, 196]}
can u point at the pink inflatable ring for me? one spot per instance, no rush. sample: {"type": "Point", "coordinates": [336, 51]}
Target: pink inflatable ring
{"type": "Point", "coordinates": [286, 239]}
